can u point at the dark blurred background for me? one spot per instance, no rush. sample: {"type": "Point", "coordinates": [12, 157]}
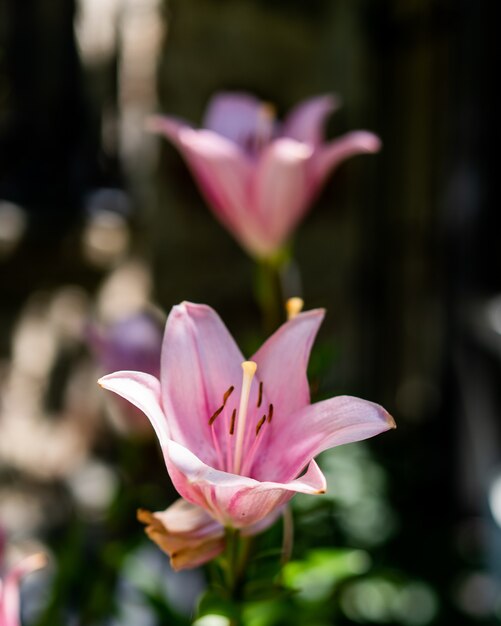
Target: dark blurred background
{"type": "Point", "coordinates": [100, 223]}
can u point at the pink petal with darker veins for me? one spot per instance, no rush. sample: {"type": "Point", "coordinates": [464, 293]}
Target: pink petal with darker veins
{"type": "Point", "coordinates": [318, 427]}
{"type": "Point", "coordinates": [234, 500]}
{"type": "Point", "coordinates": [282, 361]}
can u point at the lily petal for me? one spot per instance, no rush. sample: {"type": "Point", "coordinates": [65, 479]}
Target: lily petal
{"type": "Point", "coordinates": [234, 500]}
{"type": "Point", "coordinates": [329, 156]}
{"type": "Point", "coordinates": [221, 170]}
{"type": "Point", "coordinates": [235, 116]}
{"type": "Point", "coordinates": [281, 189]}
{"type": "Point", "coordinates": [307, 120]}
{"type": "Point", "coordinates": [223, 173]}
{"type": "Point", "coordinates": [317, 427]}
{"type": "Point", "coordinates": [282, 361]}
{"type": "Point", "coordinates": [167, 125]}
{"type": "Point", "coordinates": [200, 361]}
{"type": "Point", "coordinates": [143, 391]}
{"type": "Point", "coordinates": [9, 589]}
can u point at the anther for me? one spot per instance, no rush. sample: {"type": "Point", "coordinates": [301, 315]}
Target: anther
{"type": "Point", "coordinates": [259, 424]}
{"type": "Point", "coordinates": [270, 413]}
{"type": "Point", "coordinates": [294, 306]}
{"type": "Point", "coordinates": [227, 394]}
{"type": "Point", "coordinates": [260, 395]}
{"type": "Point", "coordinates": [215, 415]}
{"type": "Point", "coordinates": [232, 423]}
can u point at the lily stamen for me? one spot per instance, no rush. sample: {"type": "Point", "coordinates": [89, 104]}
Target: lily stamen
{"type": "Point", "coordinates": [270, 413]}
{"type": "Point", "coordinates": [228, 393]}
{"type": "Point", "coordinates": [260, 394]}
{"type": "Point", "coordinates": [216, 414]}
{"type": "Point", "coordinates": [249, 370]}
{"type": "Point", "coordinates": [293, 307]}
{"type": "Point", "coordinates": [259, 424]}
{"type": "Point", "coordinates": [232, 423]}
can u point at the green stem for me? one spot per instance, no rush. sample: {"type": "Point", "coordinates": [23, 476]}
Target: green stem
{"type": "Point", "coordinates": [288, 535]}
{"type": "Point", "coordinates": [236, 560]}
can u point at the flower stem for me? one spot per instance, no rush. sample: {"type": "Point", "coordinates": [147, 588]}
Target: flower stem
{"type": "Point", "coordinates": [235, 569]}
{"type": "Point", "coordinates": [276, 279]}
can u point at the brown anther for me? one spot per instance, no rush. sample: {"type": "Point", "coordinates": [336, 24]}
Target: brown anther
{"type": "Point", "coordinates": [259, 424]}
{"type": "Point", "coordinates": [215, 415]}
{"type": "Point", "coordinates": [270, 413]}
{"type": "Point", "coordinates": [228, 394]}
{"type": "Point", "coordinates": [260, 396]}
{"type": "Point", "coordinates": [232, 423]}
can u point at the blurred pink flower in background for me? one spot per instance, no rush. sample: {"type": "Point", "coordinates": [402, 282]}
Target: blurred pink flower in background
{"type": "Point", "coordinates": [258, 176]}
{"type": "Point", "coordinates": [133, 342]}
{"type": "Point", "coordinates": [9, 588]}
{"type": "Point", "coordinates": [237, 435]}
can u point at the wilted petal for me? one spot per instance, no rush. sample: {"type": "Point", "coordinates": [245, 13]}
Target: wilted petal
{"type": "Point", "coordinates": [317, 427]}
{"type": "Point", "coordinates": [282, 361]}
{"type": "Point", "coordinates": [235, 116]}
{"type": "Point", "coordinates": [281, 189]}
{"type": "Point", "coordinates": [185, 532]}
{"type": "Point", "coordinates": [329, 156]}
{"type": "Point", "coordinates": [143, 391]}
{"type": "Point", "coordinates": [307, 120]}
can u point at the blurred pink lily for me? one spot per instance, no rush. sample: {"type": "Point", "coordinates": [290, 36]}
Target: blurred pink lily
{"type": "Point", "coordinates": [259, 177]}
{"type": "Point", "coordinates": [239, 437]}
{"type": "Point", "coordinates": [9, 589]}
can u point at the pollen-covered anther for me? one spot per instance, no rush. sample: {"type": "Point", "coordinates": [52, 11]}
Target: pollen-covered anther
{"type": "Point", "coordinates": [216, 414]}
{"type": "Point", "coordinates": [232, 422]}
{"type": "Point", "coordinates": [228, 393]}
{"type": "Point", "coordinates": [270, 413]}
{"type": "Point", "coordinates": [260, 395]}
{"type": "Point", "coordinates": [260, 424]}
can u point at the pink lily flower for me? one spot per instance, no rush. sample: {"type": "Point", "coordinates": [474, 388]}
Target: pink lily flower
{"type": "Point", "coordinates": [9, 589]}
{"type": "Point", "coordinates": [258, 177]}
{"type": "Point", "coordinates": [238, 437]}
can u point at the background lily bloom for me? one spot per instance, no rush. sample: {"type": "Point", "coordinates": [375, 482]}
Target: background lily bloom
{"type": "Point", "coordinates": [9, 589]}
{"type": "Point", "coordinates": [258, 176]}
{"type": "Point", "coordinates": [239, 437]}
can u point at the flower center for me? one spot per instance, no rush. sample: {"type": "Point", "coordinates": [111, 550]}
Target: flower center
{"type": "Point", "coordinates": [240, 450]}
{"type": "Point", "coordinates": [263, 131]}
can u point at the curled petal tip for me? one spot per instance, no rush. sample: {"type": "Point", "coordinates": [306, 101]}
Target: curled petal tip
{"type": "Point", "coordinates": [368, 141]}
{"type": "Point", "coordinates": [390, 421]}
